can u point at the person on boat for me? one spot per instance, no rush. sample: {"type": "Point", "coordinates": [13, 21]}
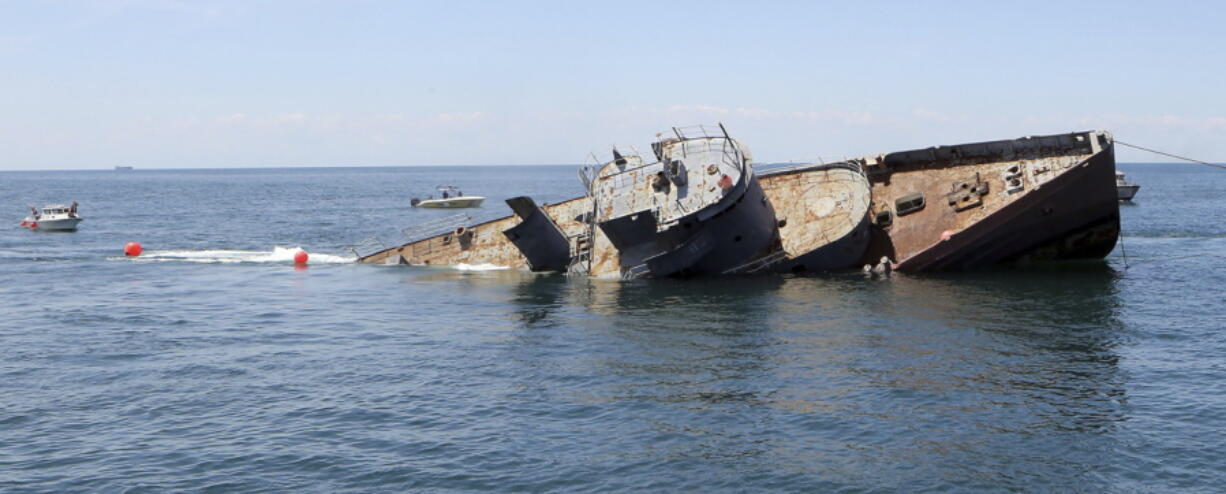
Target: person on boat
{"type": "Point", "coordinates": [72, 211]}
{"type": "Point", "coordinates": [34, 213]}
{"type": "Point", "coordinates": [445, 194]}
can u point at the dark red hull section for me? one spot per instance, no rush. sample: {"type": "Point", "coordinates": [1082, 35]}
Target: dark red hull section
{"type": "Point", "coordinates": [1075, 216]}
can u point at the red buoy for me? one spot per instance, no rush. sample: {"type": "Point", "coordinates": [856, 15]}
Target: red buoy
{"type": "Point", "coordinates": [132, 249]}
{"type": "Point", "coordinates": [301, 257]}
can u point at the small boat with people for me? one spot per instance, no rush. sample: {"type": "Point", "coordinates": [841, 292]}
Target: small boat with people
{"type": "Point", "coordinates": [451, 198]}
{"type": "Point", "coordinates": [53, 217]}
{"type": "Point", "coordinates": [1124, 189]}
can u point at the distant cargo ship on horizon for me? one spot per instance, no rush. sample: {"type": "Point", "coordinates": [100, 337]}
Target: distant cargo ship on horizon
{"type": "Point", "coordinates": [123, 168]}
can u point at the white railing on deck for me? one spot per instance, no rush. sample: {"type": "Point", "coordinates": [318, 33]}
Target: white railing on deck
{"type": "Point", "coordinates": [366, 247]}
{"type": "Point", "coordinates": [435, 227]}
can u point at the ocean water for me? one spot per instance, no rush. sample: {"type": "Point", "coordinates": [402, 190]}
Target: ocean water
{"type": "Point", "coordinates": [210, 364]}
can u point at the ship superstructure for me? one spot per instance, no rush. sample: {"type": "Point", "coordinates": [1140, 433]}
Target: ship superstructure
{"type": "Point", "coordinates": [696, 209]}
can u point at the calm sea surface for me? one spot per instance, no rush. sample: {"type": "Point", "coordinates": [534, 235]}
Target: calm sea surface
{"type": "Point", "coordinates": [210, 364]}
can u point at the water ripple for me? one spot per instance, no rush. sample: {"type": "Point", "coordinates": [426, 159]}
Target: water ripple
{"type": "Point", "coordinates": [254, 377]}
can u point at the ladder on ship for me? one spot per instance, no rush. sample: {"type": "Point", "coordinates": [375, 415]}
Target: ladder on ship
{"type": "Point", "coordinates": [580, 254]}
{"type": "Point", "coordinates": [581, 243]}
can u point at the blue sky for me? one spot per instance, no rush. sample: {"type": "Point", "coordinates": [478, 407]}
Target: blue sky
{"type": "Point", "coordinates": [169, 84]}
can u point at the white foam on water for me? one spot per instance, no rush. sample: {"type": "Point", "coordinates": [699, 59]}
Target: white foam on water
{"type": "Point", "coordinates": [278, 254]}
{"type": "Point", "coordinates": [479, 267]}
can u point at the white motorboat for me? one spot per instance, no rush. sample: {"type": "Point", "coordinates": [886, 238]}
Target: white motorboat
{"type": "Point", "coordinates": [53, 217]}
{"type": "Point", "coordinates": [452, 198]}
{"type": "Point", "coordinates": [1125, 189]}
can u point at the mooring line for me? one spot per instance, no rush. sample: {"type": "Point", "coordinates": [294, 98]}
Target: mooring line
{"type": "Point", "coordinates": [1134, 146]}
{"type": "Point", "coordinates": [1155, 151]}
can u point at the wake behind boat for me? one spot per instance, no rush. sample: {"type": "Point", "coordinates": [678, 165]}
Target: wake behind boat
{"type": "Point", "coordinates": [53, 217]}
{"type": "Point", "coordinates": [452, 198]}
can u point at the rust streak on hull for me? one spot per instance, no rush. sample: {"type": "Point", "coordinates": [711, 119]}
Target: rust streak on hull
{"type": "Point", "coordinates": [1050, 197]}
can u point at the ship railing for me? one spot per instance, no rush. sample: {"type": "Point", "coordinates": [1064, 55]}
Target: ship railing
{"type": "Point", "coordinates": [620, 181]}
{"type": "Point", "coordinates": [709, 132]}
{"type": "Point", "coordinates": [424, 238]}
{"type": "Point", "coordinates": [730, 155]}
{"type": "Point", "coordinates": [760, 263]}
{"type": "Point", "coordinates": [366, 247]}
{"type": "Point", "coordinates": [701, 131]}
{"type": "Point", "coordinates": [635, 272]}
{"type": "Point", "coordinates": [422, 231]}
{"type": "Point", "coordinates": [587, 175]}
{"type": "Point", "coordinates": [621, 185]}
{"type": "Point", "coordinates": [853, 165]}
{"type": "Point", "coordinates": [634, 161]}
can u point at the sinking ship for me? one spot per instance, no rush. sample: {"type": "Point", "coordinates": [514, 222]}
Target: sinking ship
{"type": "Point", "coordinates": [696, 206]}
{"type": "Point", "coordinates": [972, 205]}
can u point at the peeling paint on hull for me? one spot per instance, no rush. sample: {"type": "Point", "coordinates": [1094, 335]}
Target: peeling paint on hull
{"type": "Point", "coordinates": [1040, 192]}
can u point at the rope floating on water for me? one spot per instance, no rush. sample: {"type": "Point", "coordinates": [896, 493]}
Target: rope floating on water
{"type": "Point", "coordinates": [1134, 146]}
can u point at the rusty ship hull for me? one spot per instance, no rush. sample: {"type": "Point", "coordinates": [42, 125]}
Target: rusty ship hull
{"type": "Point", "coordinates": [948, 207]}
{"type": "Point", "coordinates": [973, 205]}
{"type": "Point", "coordinates": [823, 217]}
